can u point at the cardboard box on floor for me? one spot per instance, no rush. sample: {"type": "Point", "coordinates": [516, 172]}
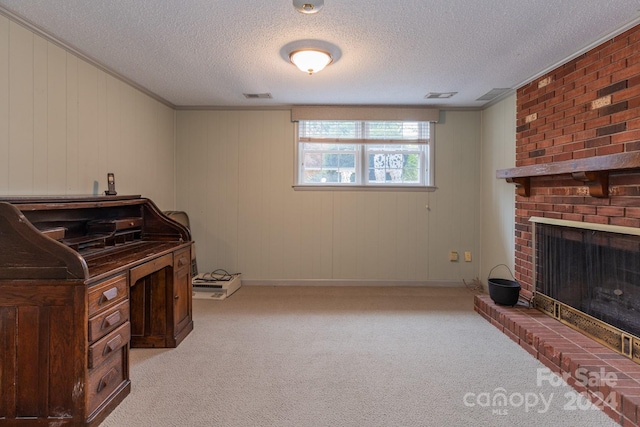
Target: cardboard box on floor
{"type": "Point", "coordinates": [206, 287]}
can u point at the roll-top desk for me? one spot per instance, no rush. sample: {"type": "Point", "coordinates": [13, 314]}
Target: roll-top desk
{"type": "Point", "coordinates": [83, 279]}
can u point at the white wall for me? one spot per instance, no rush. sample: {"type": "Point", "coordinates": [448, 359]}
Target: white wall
{"type": "Point", "coordinates": [235, 172]}
{"type": "Point", "coordinates": [65, 123]}
{"type": "Point", "coordinates": [498, 196]}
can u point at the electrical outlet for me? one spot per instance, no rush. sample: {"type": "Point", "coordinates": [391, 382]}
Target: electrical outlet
{"type": "Point", "coordinates": [453, 256]}
{"type": "Point", "coordinates": [467, 256]}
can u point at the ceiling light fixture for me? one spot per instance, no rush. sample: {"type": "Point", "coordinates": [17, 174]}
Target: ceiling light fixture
{"type": "Point", "coordinates": [310, 60]}
{"type": "Point", "coordinates": [308, 6]}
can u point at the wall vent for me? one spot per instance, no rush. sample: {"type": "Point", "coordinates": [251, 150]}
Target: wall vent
{"type": "Point", "coordinates": [439, 95]}
{"type": "Point", "coordinates": [493, 94]}
{"type": "Point", "coordinates": [257, 95]}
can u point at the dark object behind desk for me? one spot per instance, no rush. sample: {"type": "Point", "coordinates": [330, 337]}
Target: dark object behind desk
{"type": "Point", "coordinates": [183, 218]}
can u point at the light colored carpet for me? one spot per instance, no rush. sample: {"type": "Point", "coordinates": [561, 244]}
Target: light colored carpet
{"type": "Point", "coordinates": [332, 356]}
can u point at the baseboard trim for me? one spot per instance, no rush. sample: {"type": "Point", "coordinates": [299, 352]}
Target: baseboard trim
{"type": "Point", "coordinates": [354, 282]}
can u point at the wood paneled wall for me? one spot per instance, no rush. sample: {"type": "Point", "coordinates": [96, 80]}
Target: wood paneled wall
{"type": "Point", "coordinates": [498, 203]}
{"type": "Point", "coordinates": [235, 176]}
{"type": "Point", "coordinates": [65, 123]}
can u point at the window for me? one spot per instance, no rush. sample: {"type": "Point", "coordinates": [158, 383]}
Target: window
{"type": "Point", "coordinates": [364, 153]}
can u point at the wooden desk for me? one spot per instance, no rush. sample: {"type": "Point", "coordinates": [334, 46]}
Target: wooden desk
{"type": "Point", "coordinates": [83, 279]}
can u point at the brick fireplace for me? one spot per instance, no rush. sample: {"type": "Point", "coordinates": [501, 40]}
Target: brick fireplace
{"type": "Point", "coordinates": [588, 107]}
{"type": "Point", "coordinates": [577, 159]}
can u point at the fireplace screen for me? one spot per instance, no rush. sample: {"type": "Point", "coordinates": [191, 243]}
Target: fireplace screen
{"type": "Point", "coordinates": [594, 271]}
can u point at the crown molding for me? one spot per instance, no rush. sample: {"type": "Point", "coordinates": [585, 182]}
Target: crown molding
{"type": "Point", "coordinates": [632, 23]}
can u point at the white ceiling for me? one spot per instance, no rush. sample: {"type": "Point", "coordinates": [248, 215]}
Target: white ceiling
{"type": "Point", "coordinates": [210, 52]}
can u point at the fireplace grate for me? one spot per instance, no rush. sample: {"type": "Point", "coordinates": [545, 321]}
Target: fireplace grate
{"type": "Point", "coordinates": [602, 332]}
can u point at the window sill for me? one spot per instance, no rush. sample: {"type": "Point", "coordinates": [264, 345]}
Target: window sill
{"type": "Point", "coordinates": [364, 188]}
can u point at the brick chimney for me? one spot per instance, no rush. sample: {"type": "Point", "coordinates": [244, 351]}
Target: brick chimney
{"type": "Point", "coordinates": [585, 108]}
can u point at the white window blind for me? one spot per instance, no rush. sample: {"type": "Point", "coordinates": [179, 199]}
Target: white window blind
{"type": "Point", "coordinates": [363, 132]}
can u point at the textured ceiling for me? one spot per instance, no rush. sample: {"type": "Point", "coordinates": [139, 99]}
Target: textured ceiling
{"type": "Point", "coordinates": [210, 52]}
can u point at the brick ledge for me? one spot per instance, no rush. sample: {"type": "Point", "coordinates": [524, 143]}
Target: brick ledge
{"type": "Point", "coordinates": [565, 351]}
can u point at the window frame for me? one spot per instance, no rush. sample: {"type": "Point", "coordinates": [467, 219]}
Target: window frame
{"type": "Point", "coordinates": [357, 153]}
{"type": "Point", "coordinates": [422, 152]}
{"type": "Point", "coordinates": [362, 182]}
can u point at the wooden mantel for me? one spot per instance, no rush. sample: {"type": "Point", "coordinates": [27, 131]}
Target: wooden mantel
{"type": "Point", "coordinates": [594, 171]}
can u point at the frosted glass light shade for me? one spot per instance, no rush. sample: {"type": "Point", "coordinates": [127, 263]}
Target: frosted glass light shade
{"type": "Point", "coordinates": [310, 60]}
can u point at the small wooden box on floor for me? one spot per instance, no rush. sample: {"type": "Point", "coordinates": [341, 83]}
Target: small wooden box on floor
{"type": "Point", "coordinates": [83, 279]}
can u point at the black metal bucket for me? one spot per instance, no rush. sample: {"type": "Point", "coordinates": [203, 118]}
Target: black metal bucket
{"type": "Point", "coordinates": [503, 291]}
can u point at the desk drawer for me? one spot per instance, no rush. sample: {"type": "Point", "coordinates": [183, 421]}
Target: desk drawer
{"type": "Point", "coordinates": [106, 322]}
{"type": "Point", "coordinates": [106, 379]}
{"type": "Point", "coordinates": [108, 345]}
{"type": "Point", "coordinates": [108, 294]}
{"type": "Point", "coordinates": [182, 259]}
{"type": "Point", "coordinates": [149, 267]}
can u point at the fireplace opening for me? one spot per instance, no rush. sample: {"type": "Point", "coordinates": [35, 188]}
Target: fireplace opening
{"type": "Point", "coordinates": [588, 276]}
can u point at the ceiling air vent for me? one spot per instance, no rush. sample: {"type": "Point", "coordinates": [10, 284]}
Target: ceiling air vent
{"type": "Point", "coordinates": [257, 95]}
{"type": "Point", "coordinates": [493, 94]}
{"type": "Point", "coordinates": [439, 95]}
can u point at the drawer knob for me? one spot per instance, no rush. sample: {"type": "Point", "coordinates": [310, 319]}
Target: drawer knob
{"type": "Point", "coordinates": [108, 295]}
{"type": "Point", "coordinates": [181, 262]}
{"type": "Point", "coordinates": [112, 345]}
{"type": "Point", "coordinates": [106, 379]}
{"type": "Point", "coordinates": [112, 319]}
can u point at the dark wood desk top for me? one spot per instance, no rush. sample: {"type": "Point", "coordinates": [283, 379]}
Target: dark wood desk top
{"type": "Point", "coordinates": [82, 237]}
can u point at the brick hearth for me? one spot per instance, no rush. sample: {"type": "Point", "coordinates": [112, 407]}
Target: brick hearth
{"type": "Point", "coordinates": [567, 352]}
